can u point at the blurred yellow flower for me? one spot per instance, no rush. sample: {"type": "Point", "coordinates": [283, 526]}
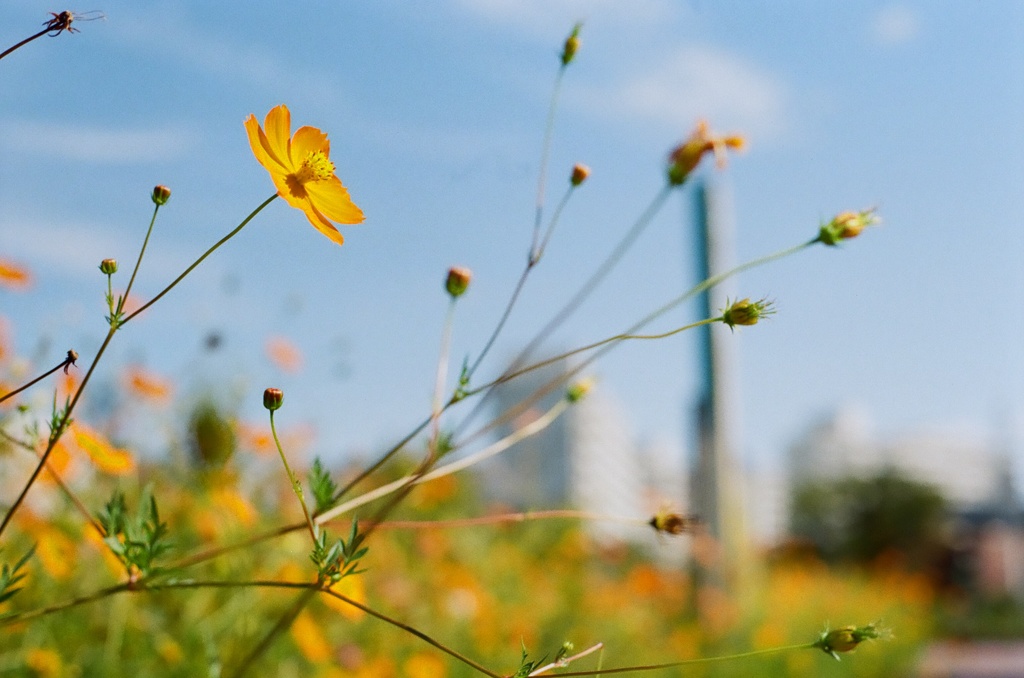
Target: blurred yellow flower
{"type": "Point", "coordinates": [424, 665]}
{"type": "Point", "coordinates": [44, 663]}
{"type": "Point", "coordinates": [310, 639]}
{"type": "Point", "coordinates": [353, 588]}
{"type": "Point", "coordinates": [105, 456]}
{"type": "Point", "coordinates": [302, 171]}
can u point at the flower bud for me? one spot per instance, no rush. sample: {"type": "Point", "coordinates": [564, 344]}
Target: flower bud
{"type": "Point", "coordinates": [580, 173]}
{"type": "Point", "coordinates": [572, 43]}
{"type": "Point", "coordinates": [746, 312]}
{"type": "Point", "coordinates": [457, 281]}
{"type": "Point", "coordinates": [161, 194]}
{"type": "Point", "coordinates": [847, 638]}
{"type": "Point", "coordinates": [687, 155]}
{"type": "Point", "coordinates": [273, 398]}
{"type": "Point", "coordinates": [846, 225]}
{"type": "Point", "coordinates": [578, 390]}
{"type": "Point", "coordinates": [108, 266]}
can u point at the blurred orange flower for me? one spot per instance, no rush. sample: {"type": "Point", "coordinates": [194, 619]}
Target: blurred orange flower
{"type": "Point", "coordinates": [147, 385]}
{"type": "Point", "coordinates": [257, 438]}
{"type": "Point", "coordinates": [302, 171]}
{"type": "Point", "coordinates": [284, 354]}
{"type": "Point", "coordinates": [14, 276]}
{"type": "Point", "coordinates": [105, 456]}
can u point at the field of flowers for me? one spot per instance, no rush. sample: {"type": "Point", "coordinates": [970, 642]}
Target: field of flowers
{"type": "Point", "coordinates": [232, 553]}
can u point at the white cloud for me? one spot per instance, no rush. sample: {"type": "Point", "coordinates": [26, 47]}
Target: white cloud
{"type": "Point", "coordinates": [185, 42]}
{"type": "Point", "coordinates": [697, 82]}
{"type": "Point", "coordinates": [95, 144]}
{"type": "Point", "coordinates": [77, 248]}
{"type": "Point", "coordinates": [895, 25]}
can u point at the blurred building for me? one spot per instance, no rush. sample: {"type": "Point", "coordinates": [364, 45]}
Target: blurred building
{"type": "Point", "coordinates": [587, 459]}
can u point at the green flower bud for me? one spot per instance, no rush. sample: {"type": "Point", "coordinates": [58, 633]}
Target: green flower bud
{"type": "Point", "coordinates": [108, 266]}
{"type": "Point", "coordinates": [746, 312]}
{"type": "Point", "coordinates": [846, 225]}
{"type": "Point", "coordinates": [457, 281]}
{"type": "Point", "coordinates": [161, 194]}
{"type": "Point", "coordinates": [847, 638]}
{"type": "Point", "coordinates": [572, 43]}
{"type": "Point", "coordinates": [273, 398]}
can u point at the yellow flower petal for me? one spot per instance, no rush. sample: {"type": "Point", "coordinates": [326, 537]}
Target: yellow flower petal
{"type": "Point", "coordinates": [307, 140]}
{"type": "Point", "coordinates": [333, 201]}
{"type": "Point", "coordinates": [322, 223]}
{"type": "Point", "coordinates": [260, 146]}
{"type": "Point", "coordinates": [277, 127]}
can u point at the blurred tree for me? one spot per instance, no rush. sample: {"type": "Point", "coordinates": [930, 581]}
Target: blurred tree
{"type": "Point", "coordinates": [858, 519]}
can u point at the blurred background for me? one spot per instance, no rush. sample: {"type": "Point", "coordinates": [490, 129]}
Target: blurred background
{"type": "Point", "coordinates": [892, 371]}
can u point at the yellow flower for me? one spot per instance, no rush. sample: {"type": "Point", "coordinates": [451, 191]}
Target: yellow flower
{"type": "Point", "coordinates": [302, 171]}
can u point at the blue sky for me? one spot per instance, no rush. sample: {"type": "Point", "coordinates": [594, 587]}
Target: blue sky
{"type": "Point", "coordinates": [435, 113]}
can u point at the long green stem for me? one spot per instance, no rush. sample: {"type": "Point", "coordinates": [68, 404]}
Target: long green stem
{"type": "Point", "coordinates": [200, 259]}
{"type": "Point", "coordinates": [508, 376]}
{"type": "Point", "coordinates": [532, 260]}
{"type": "Point", "coordinates": [138, 262]}
{"type": "Point", "coordinates": [690, 662]}
{"type": "Point", "coordinates": [296, 485]}
{"type": "Point", "coordinates": [549, 129]}
{"type": "Point", "coordinates": [414, 631]}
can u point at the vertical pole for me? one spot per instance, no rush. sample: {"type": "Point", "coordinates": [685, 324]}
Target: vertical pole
{"type": "Point", "coordinates": [716, 481]}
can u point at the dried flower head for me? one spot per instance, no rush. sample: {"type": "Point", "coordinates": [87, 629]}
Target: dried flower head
{"type": "Point", "coordinates": [666, 521]}
{"type": "Point", "coordinates": [580, 172]}
{"type": "Point", "coordinates": [687, 155]}
{"type": "Point", "coordinates": [69, 361]}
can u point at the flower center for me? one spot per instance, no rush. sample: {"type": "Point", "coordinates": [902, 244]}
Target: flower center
{"type": "Point", "coordinates": [315, 167]}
